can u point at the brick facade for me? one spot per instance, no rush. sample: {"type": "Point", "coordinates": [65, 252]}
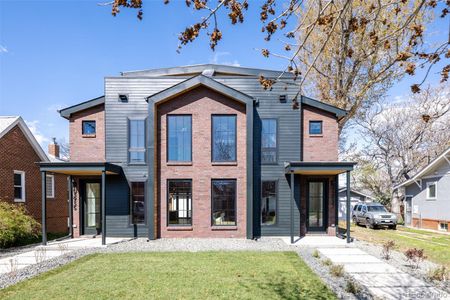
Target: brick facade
{"type": "Point", "coordinates": [201, 103]}
{"type": "Point", "coordinates": [87, 148]}
{"type": "Point", "coordinates": [321, 147]}
{"type": "Point", "coordinates": [428, 223]}
{"type": "Point", "coordinates": [18, 154]}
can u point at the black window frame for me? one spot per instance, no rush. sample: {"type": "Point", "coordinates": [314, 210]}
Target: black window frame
{"type": "Point", "coordinates": [131, 203]}
{"type": "Point", "coordinates": [130, 149]}
{"type": "Point", "coordinates": [167, 138]}
{"type": "Point", "coordinates": [167, 203]}
{"type": "Point", "coordinates": [276, 202]}
{"type": "Point", "coordinates": [234, 180]}
{"type": "Point", "coordinates": [88, 121]}
{"type": "Point", "coordinates": [212, 138]}
{"type": "Point", "coordinates": [315, 122]}
{"type": "Point", "coordinates": [276, 141]}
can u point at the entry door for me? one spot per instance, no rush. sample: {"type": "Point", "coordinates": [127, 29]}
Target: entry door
{"type": "Point", "coordinates": [316, 206]}
{"type": "Point", "coordinates": [92, 207]}
{"type": "Point", "coordinates": [408, 210]}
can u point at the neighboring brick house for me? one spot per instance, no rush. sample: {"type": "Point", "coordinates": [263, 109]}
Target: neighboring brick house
{"type": "Point", "coordinates": [20, 178]}
{"type": "Point", "coordinates": [202, 151]}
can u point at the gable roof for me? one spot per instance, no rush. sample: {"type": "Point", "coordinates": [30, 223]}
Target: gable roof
{"type": "Point", "coordinates": [342, 189]}
{"type": "Point", "coordinates": [443, 157]}
{"type": "Point", "coordinates": [193, 70]}
{"type": "Point", "coordinates": [199, 80]}
{"type": "Point", "coordinates": [9, 122]}
{"type": "Point", "coordinates": [338, 112]}
{"type": "Point", "coordinates": [68, 111]}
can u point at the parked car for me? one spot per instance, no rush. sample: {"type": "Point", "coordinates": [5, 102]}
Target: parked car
{"type": "Point", "coordinates": [373, 215]}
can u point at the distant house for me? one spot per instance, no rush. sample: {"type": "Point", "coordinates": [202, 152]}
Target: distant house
{"type": "Point", "coordinates": [355, 197]}
{"type": "Point", "coordinates": [20, 178]}
{"type": "Point", "coordinates": [427, 195]}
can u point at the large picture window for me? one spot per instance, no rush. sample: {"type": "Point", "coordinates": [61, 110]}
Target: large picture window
{"type": "Point", "coordinates": [179, 138]}
{"type": "Point", "coordinates": [138, 202]}
{"type": "Point", "coordinates": [223, 202]}
{"type": "Point", "coordinates": [269, 141]}
{"type": "Point", "coordinates": [268, 202]}
{"type": "Point", "coordinates": [179, 202]}
{"type": "Point", "coordinates": [136, 140]}
{"type": "Point", "coordinates": [224, 138]}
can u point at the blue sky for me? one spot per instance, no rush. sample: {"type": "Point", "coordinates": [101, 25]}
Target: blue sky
{"type": "Point", "coordinates": [56, 53]}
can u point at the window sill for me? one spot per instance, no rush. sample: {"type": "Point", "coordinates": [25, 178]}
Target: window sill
{"type": "Point", "coordinates": [19, 200]}
{"type": "Point", "coordinates": [315, 135]}
{"type": "Point", "coordinates": [224, 227]}
{"type": "Point", "coordinates": [137, 164]}
{"type": "Point", "coordinates": [88, 135]}
{"type": "Point", "coordinates": [180, 163]}
{"type": "Point", "coordinates": [225, 163]}
{"type": "Point", "coordinates": [179, 228]}
{"type": "Point", "coordinates": [430, 199]}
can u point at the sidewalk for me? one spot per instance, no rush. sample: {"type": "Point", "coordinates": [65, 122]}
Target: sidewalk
{"type": "Point", "coordinates": [381, 279]}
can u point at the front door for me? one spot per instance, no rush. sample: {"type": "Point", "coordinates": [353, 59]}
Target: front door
{"type": "Point", "coordinates": [408, 210]}
{"type": "Point", "coordinates": [92, 207]}
{"type": "Point", "coordinates": [316, 206]}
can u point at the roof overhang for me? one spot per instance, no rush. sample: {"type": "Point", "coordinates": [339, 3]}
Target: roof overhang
{"type": "Point", "coordinates": [195, 82]}
{"type": "Point", "coordinates": [318, 167]}
{"type": "Point", "coordinates": [68, 111]}
{"type": "Point", "coordinates": [339, 113]}
{"type": "Point", "coordinates": [80, 168]}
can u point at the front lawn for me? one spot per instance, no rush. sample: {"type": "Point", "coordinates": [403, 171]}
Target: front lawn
{"type": "Point", "coordinates": [436, 245]}
{"type": "Point", "coordinates": [183, 275]}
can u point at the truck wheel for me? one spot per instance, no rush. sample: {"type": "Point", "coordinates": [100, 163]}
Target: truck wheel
{"type": "Point", "coordinates": [355, 221]}
{"type": "Point", "coordinates": [368, 225]}
{"type": "Point", "coordinates": [393, 227]}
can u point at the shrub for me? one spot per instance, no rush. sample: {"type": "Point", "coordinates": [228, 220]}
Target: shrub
{"type": "Point", "coordinates": [316, 254]}
{"type": "Point", "coordinates": [414, 257]}
{"type": "Point", "coordinates": [16, 225]}
{"type": "Point", "coordinates": [327, 262]}
{"type": "Point", "coordinates": [352, 287]}
{"type": "Point", "coordinates": [439, 274]}
{"type": "Point", "coordinates": [337, 270]}
{"type": "Point", "coordinates": [387, 249]}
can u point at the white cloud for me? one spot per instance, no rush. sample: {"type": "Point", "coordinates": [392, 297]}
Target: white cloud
{"type": "Point", "coordinates": [3, 49]}
{"type": "Point", "coordinates": [216, 59]}
{"type": "Point", "coordinates": [40, 137]}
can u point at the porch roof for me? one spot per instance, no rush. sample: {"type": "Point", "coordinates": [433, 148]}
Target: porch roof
{"type": "Point", "coordinates": [318, 167]}
{"type": "Point", "coordinates": [80, 168]}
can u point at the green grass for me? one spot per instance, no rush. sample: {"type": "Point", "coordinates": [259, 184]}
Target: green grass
{"type": "Point", "coordinates": [203, 275]}
{"type": "Point", "coordinates": [436, 245]}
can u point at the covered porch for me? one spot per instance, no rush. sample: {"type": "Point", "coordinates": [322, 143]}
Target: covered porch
{"type": "Point", "coordinates": [314, 197]}
{"type": "Point", "coordinates": [83, 178]}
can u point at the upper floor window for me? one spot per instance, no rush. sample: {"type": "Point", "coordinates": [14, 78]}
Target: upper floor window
{"type": "Point", "coordinates": [223, 138]}
{"type": "Point", "coordinates": [138, 202]}
{"type": "Point", "coordinates": [269, 141]}
{"type": "Point", "coordinates": [315, 127]}
{"type": "Point", "coordinates": [431, 190]}
{"type": "Point", "coordinates": [179, 137]}
{"type": "Point", "coordinates": [19, 186]}
{"type": "Point", "coordinates": [50, 186]}
{"type": "Point", "coordinates": [88, 127]}
{"type": "Point", "coordinates": [136, 141]}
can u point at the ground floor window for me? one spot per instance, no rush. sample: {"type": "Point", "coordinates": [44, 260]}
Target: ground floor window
{"type": "Point", "coordinates": [223, 201]}
{"type": "Point", "coordinates": [138, 202]}
{"type": "Point", "coordinates": [268, 202]}
{"type": "Point", "coordinates": [19, 186]}
{"type": "Point", "coordinates": [179, 202]}
{"type": "Point", "coordinates": [443, 226]}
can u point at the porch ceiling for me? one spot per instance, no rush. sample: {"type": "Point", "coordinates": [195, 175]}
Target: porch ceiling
{"type": "Point", "coordinates": [80, 168]}
{"type": "Point", "coordinates": [318, 167]}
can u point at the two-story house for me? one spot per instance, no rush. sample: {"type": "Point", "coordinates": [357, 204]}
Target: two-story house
{"type": "Point", "coordinates": [202, 151]}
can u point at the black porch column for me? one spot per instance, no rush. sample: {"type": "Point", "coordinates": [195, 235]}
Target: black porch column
{"type": "Point", "coordinates": [348, 207]}
{"type": "Point", "coordinates": [292, 208]}
{"type": "Point", "coordinates": [44, 207]}
{"type": "Point", "coordinates": [103, 210]}
{"type": "Point", "coordinates": [70, 187]}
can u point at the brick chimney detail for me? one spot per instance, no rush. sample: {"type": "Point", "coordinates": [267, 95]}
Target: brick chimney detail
{"type": "Point", "coordinates": [53, 149]}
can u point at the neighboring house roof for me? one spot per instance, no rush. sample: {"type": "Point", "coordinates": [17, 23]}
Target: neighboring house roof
{"type": "Point", "coordinates": [210, 68]}
{"type": "Point", "coordinates": [68, 111]}
{"type": "Point", "coordinates": [443, 157]}
{"type": "Point", "coordinates": [9, 122]}
{"type": "Point", "coordinates": [344, 189]}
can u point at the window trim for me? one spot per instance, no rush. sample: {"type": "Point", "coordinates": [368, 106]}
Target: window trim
{"type": "Point", "coordinates": [167, 140]}
{"type": "Point", "coordinates": [321, 127]}
{"type": "Point", "coordinates": [130, 221]}
{"type": "Point", "coordinates": [23, 184]}
{"type": "Point", "coordinates": [144, 149]}
{"type": "Point", "coordinates": [52, 196]}
{"type": "Point", "coordinates": [235, 202]}
{"type": "Point", "coordinates": [440, 227]}
{"type": "Point", "coordinates": [276, 202]}
{"type": "Point", "coordinates": [435, 190]}
{"type": "Point", "coordinates": [235, 138]}
{"type": "Point", "coordinates": [88, 134]}
{"type": "Point", "coordinates": [277, 140]}
{"type": "Point", "coordinates": [167, 203]}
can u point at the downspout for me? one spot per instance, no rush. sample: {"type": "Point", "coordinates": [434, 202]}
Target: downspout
{"type": "Point", "coordinates": [301, 127]}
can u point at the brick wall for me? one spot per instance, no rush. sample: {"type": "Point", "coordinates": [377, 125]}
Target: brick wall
{"type": "Point", "coordinates": [323, 147]}
{"type": "Point", "coordinates": [18, 154]}
{"type": "Point", "coordinates": [201, 103]}
{"type": "Point", "coordinates": [87, 148]}
{"type": "Point", "coordinates": [428, 223]}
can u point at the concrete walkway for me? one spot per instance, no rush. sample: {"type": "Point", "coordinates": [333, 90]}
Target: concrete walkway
{"type": "Point", "coordinates": [53, 249]}
{"type": "Point", "coordinates": [381, 279]}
